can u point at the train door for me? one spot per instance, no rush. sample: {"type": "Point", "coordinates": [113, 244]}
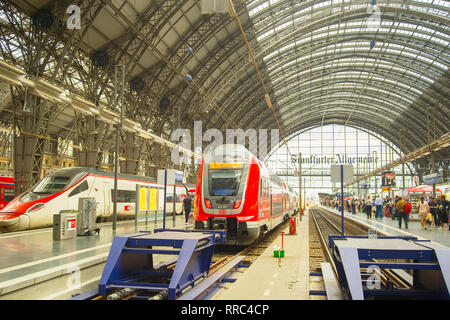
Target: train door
{"type": "Point", "coordinates": [2, 202]}
{"type": "Point", "coordinates": [107, 200]}
{"type": "Point", "coordinates": [260, 213]}
{"type": "Point", "coordinates": [271, 206]}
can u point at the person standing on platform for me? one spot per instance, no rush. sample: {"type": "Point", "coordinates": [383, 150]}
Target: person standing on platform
{"type": "Point", "coordinates": [395, 215]}
{"type": "Point", "coordinates": [187, 204]}
{"type": "Point", "coordinates": [391, 207]}
{"type": "Point", "coordinates": [443, 212]}
{"type": "Point", "coordinates": [422, 210]}
{"type": "Point", "coordinates": [400, 206]}
{"type": "Point", "coordinates": [354, 202]}
{"type": "Point", "coordinates": [379, 208]}
{"type": "Point", "coordinates": [368, 208]}
{"type": "Point", "coordinates": [433, 209]}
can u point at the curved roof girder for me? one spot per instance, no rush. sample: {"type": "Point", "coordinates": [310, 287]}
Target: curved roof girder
{"type": "Point", "coordinates": [364, 55]}
{"type": "Point", "coordinates": [198, 36]}
{"type": "Point", "coordinates": [247, 82]}
{"type": "Point", "coordinates": [378, 91]}
{"type": "Point", "coordinates": [379, 123]}
{"type": "Point", "coordinates": [248, 89]}
{"type": "Point", "coordinates": [320, 38]}
{"type": "Point", "coordinates": [356, 71]}
{"type": "Point", "coordinates": [372, 111]}
{"type": "Point", "coordinates": [251, 98]}
{"type": "Point", "coordinates": [337, 17]}
{"type": "Point", "coordinates": [296, 11]}
{"type": "Point", "coordinates": [317, 63]}
{"type": "Point", "coordinates": [316, 120]}
{"type": "Point", "coordinates": [303, 29]}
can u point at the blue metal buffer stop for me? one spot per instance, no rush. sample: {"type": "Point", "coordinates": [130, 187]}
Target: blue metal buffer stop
{"type": "Point", "coordinates": [130, 263]}
{"type": "Point", "coordinates": [429, 264]}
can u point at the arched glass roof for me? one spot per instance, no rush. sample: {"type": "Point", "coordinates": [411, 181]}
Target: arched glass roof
{"type": "Point", "coordinates": [374, 64]}
{"type": "Point", "coordinates": [328, 60]}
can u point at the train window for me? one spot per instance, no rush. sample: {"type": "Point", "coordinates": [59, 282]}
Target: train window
{"type": "Point", "coordinates": [51, 184]}
{"type": "Point", "coordinates": [124, 196]}
{"type": "Point", "coordinates": [169, 198]}
{"type": "Point", "coordinates": [8, 195]}
{"type": "Point", "coordinates": [266, 189]}
{"type": "Point", "coordinates": [80, 188]}
{"type": "Point", "coordinates": [224, 182]}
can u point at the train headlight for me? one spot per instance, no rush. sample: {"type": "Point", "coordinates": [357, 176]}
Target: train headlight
{"type": "Point", "coordinates": [36, 207]}
{"type": "Point", "coordinates": [237, 204]}
{"type": "Point", "coordinates": [208, 203]}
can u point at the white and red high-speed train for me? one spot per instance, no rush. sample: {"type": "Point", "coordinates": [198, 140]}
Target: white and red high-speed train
{"type": "Point", "coordinates": [61, 190]}
{"type": "Point", "coordinates": [237, 192]}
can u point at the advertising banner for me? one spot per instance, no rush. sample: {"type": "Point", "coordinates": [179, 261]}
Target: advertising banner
{"type": "Point", "coordinates": [388, 179]}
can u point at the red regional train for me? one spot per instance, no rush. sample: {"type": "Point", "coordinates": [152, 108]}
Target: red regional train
{"type": "Point", "coordinates": [237, 192]}
{"type": "Point", "coordinates": [61, 189]}
{"type": "Point", "coordinates": [6, 190]}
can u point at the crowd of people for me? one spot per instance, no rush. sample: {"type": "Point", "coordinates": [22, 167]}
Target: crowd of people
{"type": "Point", "coordinates": [430, 213]}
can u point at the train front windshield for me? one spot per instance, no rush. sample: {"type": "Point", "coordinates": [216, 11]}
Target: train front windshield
{"type": "Point", "coordinates": [51, 184]}
{"type": "Point", "coordinates": [224, 182]}
{"type": "Point", "coordinates": [47, 186]}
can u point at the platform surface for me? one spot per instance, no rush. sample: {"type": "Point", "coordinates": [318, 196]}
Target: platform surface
{"type": "Point", "coordinates": [391, 227]}
{"type": "Point", "coordinates": [266, 280]}
{"type": "Point", "coordinates": [33, 252]}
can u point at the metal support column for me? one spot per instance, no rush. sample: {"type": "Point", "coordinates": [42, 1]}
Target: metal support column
{"type": "Point", "coordinates": [118, 127]}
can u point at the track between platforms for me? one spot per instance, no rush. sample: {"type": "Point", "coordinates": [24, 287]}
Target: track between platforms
{"type": "Point", "coordinates": [225, 254]}
{"type": "Point", "coordinates": [323, 223]}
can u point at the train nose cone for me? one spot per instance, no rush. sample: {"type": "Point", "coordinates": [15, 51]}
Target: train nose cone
{"type": "Point", "coordinates": [13, 222]}
{"type": "Point", "coordinates": [7, 219]}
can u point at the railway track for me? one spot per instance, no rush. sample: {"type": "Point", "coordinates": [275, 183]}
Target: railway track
{"type": "Point", "coordinates": [324, 223]}
{"type": "Point", "coordinates": [222, 255]}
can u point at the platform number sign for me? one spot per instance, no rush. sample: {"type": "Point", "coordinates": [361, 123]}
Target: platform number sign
{"type": "Point", "coordinates": [372, 233]}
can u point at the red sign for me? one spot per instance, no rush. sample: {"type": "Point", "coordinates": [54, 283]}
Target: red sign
{"type": "Point", "coordinates": [128, 208]}
{"type": "Point", "coordinates": [422, 191]}
{"type": "Point", "coordinates": [71, 224]}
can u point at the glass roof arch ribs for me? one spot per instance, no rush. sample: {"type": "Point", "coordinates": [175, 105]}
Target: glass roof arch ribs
{"type": "Point", "coordinates": [416, 138]}
{"type": "Point", "coordinates": [342, 77]}
{"type": "Point", "coordinates": [246, 90]}
{"type": "Point", "coordinates": [289, 58]}
{"type": "Point", "coordinates": [374, 100]}
{"type": "Point", "coordinates": [401, 93]}
{"type": "Point", "coordinates": [315, 122]}
{"type": "Point", "coordinates": [244, 63]}
{"type": "Point", "coordinates": [305, 10]}
{"type": "Point", "coordinates": [308, 127]}
{"type": "Point", "coordinates": [334, 18]}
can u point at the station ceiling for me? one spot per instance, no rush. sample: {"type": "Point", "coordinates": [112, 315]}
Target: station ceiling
{"type": "Point", "coordinates": [380, 65]}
